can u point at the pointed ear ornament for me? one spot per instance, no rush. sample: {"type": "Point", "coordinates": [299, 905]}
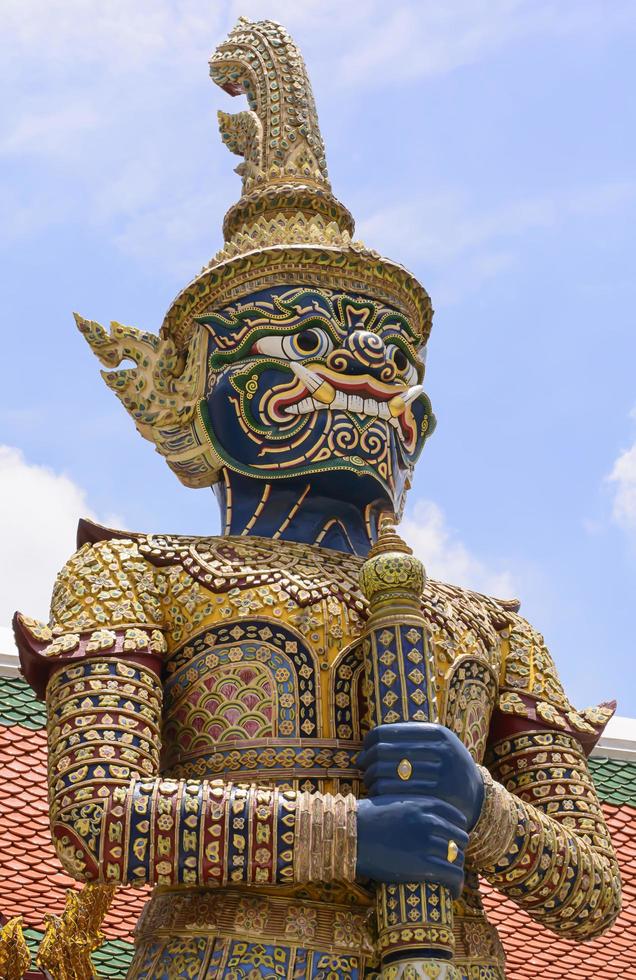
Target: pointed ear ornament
{"type": "Point", "coordinates": [162, 393]}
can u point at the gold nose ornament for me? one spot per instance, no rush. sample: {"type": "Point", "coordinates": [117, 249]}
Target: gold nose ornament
{"type": "Point", "coordinates": [405, 769]}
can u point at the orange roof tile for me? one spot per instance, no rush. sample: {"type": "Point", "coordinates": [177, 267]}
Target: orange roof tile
{"type": "Point", "coordinates": [32, 882]}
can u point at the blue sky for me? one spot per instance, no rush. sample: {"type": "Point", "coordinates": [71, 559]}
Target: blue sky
{"type": "Point", "coordinates": [489, 145]}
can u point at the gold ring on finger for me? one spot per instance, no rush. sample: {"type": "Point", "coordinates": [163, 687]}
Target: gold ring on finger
{"type": "Point", "coordinates": [404, 769]}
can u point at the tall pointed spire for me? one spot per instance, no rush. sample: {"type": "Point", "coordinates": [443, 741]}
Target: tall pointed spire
{"type": "Point", "coordinates": [280, 130]}
{"type": "Point", "coordinates": [286, 190]}
{"type": "Point", "coordinates": [287, 227]}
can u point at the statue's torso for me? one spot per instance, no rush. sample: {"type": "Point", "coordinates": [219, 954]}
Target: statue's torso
{"type": "Point", "coordinates": [264, 683]}
{"type": "Point", "coordinates": [264, 673]}
{"type": "Point", "coordinates": [260, 642]}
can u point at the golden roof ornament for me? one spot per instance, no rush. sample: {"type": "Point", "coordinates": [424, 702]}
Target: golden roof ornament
{"type": "Point", "coordinates": [70, 938]}
{"type": "Point", "coordinates": [287, 225]}
{"type": "Point", "coordinates": [15, 957]}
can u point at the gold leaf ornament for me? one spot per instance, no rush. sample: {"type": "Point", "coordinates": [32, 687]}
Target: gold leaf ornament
{"type": "Point", "coordinates": [69, 939]}
{"type": "Point", "coordinates": [15, 957]}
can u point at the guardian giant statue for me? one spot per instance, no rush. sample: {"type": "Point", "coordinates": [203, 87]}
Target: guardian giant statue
{"type": "Point", "coordinates": [309, 751]}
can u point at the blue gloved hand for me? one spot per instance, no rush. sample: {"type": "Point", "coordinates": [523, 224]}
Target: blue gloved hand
{"type": "Point", "coordinates": [405, 827]}
{"type": "Point", "coordinates": [443, 768]}
{"type": "Point", "coordinates": [407, 839]}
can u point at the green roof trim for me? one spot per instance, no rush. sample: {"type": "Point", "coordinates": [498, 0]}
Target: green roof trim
{"type": "Point", "coordinates": [18, 705]}
{"type": "Point", "coordinates": [615, 780]}
{"type": "Point", "coordinates": [33, 937]}
{"type": "Point", "coordinates": [111, 960]}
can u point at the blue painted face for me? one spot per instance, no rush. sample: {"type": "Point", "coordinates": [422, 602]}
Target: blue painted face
{"type": "Point", "coordinates": [320, 384]}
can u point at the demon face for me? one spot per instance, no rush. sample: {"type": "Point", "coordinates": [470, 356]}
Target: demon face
{"type": "Point", "coordinates": [317, 383]}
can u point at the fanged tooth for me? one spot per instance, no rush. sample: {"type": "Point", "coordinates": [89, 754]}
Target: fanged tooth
{"type": "Point", "coordinates": [394, 423]}
{"type": "Point", "coordinates": [399, 402]}
{"type": "Point", "coordinates": [383, 410]}
{"type": "Point", "coordinates": [314, 384]}
{"type": "Point", "coordinates": [412, 394]}
{"type": "Point", "coordinates": [292, 409]}
{"type": "Point", "coordinates": [306, 405]}
{"type": "Point", "coordinates": [325, 394]}
{"type": "Point", "coordinates": [397, 405]}
{"type": "Point", "coordinates": [309, 378]}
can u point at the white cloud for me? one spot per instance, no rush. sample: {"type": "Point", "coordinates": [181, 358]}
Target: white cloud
{"type": "Point", "coordinates": [623, 476]}
{"type": "Point", "coordinates": [445, 225]}
{"type": "Point", "coordinates": [104, 103]}
{"type": "Point", "coordinates": [444, 554]}
{"type": "Point", "coordinates": [114, 36]}
{"type": "Point", "coordinates": [377, 45]}
{"type": "Point", "coordinates": [179, 235]}
{"type": "Point", "coordinates": [116, 96]}
{"type": "Point", "coordinates": [467, 244]}
{"type": "Point", "coordinates": [433, 38]}
{"type": "Point", "coordinates": [48, 132]}
{"type": "Point", "coordinates": [39, 510]}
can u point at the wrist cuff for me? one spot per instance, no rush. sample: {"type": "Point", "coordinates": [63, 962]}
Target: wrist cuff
{"type": "Point", "coordinates": [495, 829]}
{"type": "Point", "coordinates": [325, 844]}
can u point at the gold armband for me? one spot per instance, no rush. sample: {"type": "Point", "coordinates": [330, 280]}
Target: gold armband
{"type": "Point", "coordinates": [325, 844]}
{"type": "Point", "coordinates": [494, 832]}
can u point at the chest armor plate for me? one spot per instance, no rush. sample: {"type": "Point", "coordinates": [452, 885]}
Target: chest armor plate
{"type": "Point", "coordinates": [269, 687]}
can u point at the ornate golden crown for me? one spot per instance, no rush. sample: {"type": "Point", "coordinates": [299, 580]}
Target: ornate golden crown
{"type": "Point", "coordinates": [287, 227]}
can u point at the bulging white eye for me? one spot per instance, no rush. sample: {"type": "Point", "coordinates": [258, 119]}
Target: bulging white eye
{"type": "Point", "coordinates": [404, 367]}
{"type": "Point", "coordinates": [311, 342]}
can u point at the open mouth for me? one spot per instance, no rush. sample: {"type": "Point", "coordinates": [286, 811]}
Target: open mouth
{"type": "Point", "coordinates": [325, 390]}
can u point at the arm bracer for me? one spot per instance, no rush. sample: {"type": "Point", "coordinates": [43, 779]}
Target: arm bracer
{"type": "Point", "coordinates": [542, 839]}
{"type": "Point", "coordinates": [115, 819]}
